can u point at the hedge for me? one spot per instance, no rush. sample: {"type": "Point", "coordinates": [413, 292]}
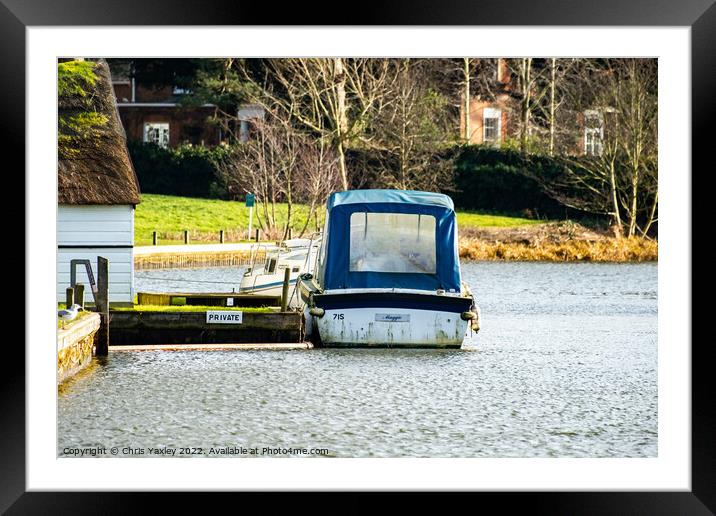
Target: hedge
{"type": "Point", "coordinates": [495, 180]}
{"type": "Point", "coordinates": [187, 170]}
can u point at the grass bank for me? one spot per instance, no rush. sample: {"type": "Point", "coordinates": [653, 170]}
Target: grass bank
{"type": "Point", "coordinates": [483, 236]}
{"type": "Point", "coordinates": [170, 216]}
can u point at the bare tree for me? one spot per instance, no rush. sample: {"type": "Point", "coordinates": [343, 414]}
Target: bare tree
{"type": "Point", "coordinates": [634, 87]}
{"type": "Point", "coordinates": [466, 96]}
{"type": "Point", "coordinates": [318, 178]}
{"type": "Point", "coordinates": [591, 183]}
{"type": "Point", "coordinates": [556, 82]}
{"type": "Point", "coordinates": [332, 98]}
{"type": "Point", "coordinates": [280, 164]}
{"type": "Point", "coordinates": [619, 175]}
{"type": "Point", "coordinates": [409, 133]}
{"type": "Point", "coordinates": [266, 166]}
{"type": "Point", "coordinates": [552, 103]}
{"type": "Point", "coordinates": [531, 92]}
{"type": "Point", "coordinates": [526, 83]}
{"type": "Point", "coordinates": [459, 80]}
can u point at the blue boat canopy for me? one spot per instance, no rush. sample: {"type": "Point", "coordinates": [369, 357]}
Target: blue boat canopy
{"type": "Point", "coordinates": [390, 239]}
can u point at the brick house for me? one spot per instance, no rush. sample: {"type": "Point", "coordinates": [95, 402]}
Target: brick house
{"type": "Point", "coordinates": [490, 115]}
{"type": "Point", "coordinates": [494, 116]}
{"type": "Point", "coordinates": [156, 115]}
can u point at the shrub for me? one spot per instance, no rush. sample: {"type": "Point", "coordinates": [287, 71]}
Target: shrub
{"type": "Point", "coordinates": [187, 170]}
{"type": "Point", "coordinates": [497, 180]}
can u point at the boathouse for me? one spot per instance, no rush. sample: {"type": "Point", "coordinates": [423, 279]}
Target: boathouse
{"type": "Point", "coordinates": [97, 185]}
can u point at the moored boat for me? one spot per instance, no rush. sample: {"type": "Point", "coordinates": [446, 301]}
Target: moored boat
{"type": "Point", "coordinates": [298, 255]}
{"type": "Point", "coordinates": [388, 273]}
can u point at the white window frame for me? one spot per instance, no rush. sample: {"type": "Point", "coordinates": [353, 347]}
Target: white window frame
{"type": "Point", "coordinates": [593, 136]}
{"type": "Point", "coordinates": [244, 131]}
{"type": "Point", "coordinates": [492, 114]}
{"type": "Point", "coordinates": [162, 139]}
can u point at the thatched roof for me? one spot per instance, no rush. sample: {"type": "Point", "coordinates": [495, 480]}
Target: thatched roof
{"type": "Point", "coordinates": [94, 165]}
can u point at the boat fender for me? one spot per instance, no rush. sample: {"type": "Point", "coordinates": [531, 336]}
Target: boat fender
{"type": "Point", "coordinates": [317, 312]}
{"type": "Point", "coordinates": [473, 317]}
{"type": "Point", "coordinates": [475, 323]}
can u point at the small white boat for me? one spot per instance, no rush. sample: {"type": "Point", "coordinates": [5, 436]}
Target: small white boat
{"type": "Point", "coordinates": [298, 255]}
{"type": "Point", "coordinates": [388, 273]}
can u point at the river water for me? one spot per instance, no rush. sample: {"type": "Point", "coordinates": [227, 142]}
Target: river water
{"type": "Point", "coordinates": [565, 366]}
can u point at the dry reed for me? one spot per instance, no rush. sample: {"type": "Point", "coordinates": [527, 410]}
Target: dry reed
{"type": "Point", "coordinates": [602, 250]}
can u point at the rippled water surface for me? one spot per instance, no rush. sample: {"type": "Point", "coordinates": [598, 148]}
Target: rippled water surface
{"type": "Point", "coordinates": [565, 366]}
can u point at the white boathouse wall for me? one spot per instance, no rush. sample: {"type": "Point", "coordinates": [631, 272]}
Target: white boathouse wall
{"type": "Point", "coordinates": [85, 232]}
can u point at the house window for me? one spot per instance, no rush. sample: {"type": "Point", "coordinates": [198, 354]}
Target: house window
{"type": "Point", "coordinates": [593, 133]}
{"type": "Point", "coordinates": [157, 133]}
{"type": "Point", "coordinates": [491, 124]}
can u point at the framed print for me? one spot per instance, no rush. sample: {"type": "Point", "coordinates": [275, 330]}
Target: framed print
{"type": "Point", "coordinates": [622, 425]}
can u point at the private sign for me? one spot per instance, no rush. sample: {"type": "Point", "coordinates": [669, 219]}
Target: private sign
{"type": "Point", "coordinates": [224, 317]}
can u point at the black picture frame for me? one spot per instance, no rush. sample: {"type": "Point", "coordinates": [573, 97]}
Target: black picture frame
{"type": "Point", "coordinates": [700, 15]}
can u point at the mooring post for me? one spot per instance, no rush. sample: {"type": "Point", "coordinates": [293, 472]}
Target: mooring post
{"type": "Point", "coordinates": [69, 297]}
{"type": "Point", "coordinates": [284, 294]}
{"type": "Point", "coordinates": [154, 238]}
{"type": "Point", "coordinates": [221, 236]}
{"type": "Point", "coordinates": [186, 237]}
{"type": "Point", "coordinates": [80, 295]}
{"type": "Point", "coordinates": [257, 234]}
{"type": "Point", "coordinates": [290, 232]}
{"type": "Point", "coordinates": [103, 305]}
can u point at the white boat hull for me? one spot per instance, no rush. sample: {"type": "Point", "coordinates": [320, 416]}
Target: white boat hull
{"type": "Point", "coordinates": [391, 328]}
{"type": "Point", "coordinates": [389, 323]}
{"type": "Point", "coordinates": [270, 289]}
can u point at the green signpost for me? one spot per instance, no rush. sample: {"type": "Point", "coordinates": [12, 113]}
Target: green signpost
{"type": "Point", "coordinates": [250, 199]}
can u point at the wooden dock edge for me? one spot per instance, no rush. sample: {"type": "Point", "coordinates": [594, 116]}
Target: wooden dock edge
{"type": "Point", "coordinates": [276, 346]}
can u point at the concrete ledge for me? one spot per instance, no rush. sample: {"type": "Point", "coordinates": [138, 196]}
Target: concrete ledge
{"type": "Point", "coordinates": [75, 345]}
{"type": "Point", "coordinates": [77, 330]}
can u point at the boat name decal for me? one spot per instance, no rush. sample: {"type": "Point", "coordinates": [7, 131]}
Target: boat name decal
{"type": "Point", "coordinates": [224, 317]}
{"type": "Point", "coordinates": [392, 317]}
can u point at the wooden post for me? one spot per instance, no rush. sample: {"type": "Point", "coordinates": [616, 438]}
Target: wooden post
{"type": "Point", "coordinates": [284, 295]}
{"type": "Point", "coordinates": [80, 295]}
{"type": "Point", "coordinates": [186, 237]}
{"type": "Point", "coordinates": [257, 234]}
{"type": "Point", "coordinates": [290, 232]}
{"type": "Point", "coordinates": [154, 238]}
{"type": "Point", "coordinates": [221, 236]}
{"type": "Point", "coordinates": [103, 305]}
{"type": "Point", "coordinates": [69, 297]}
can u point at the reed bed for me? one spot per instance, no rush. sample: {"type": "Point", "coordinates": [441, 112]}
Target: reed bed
{"type": "Point", "coordinates": [191, 260]}
{"type": "Point", "coordinates": [608, 249]}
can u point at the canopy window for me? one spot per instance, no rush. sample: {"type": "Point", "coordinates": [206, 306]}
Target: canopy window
{"type": "Point", "coordinates": [392, 242]}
